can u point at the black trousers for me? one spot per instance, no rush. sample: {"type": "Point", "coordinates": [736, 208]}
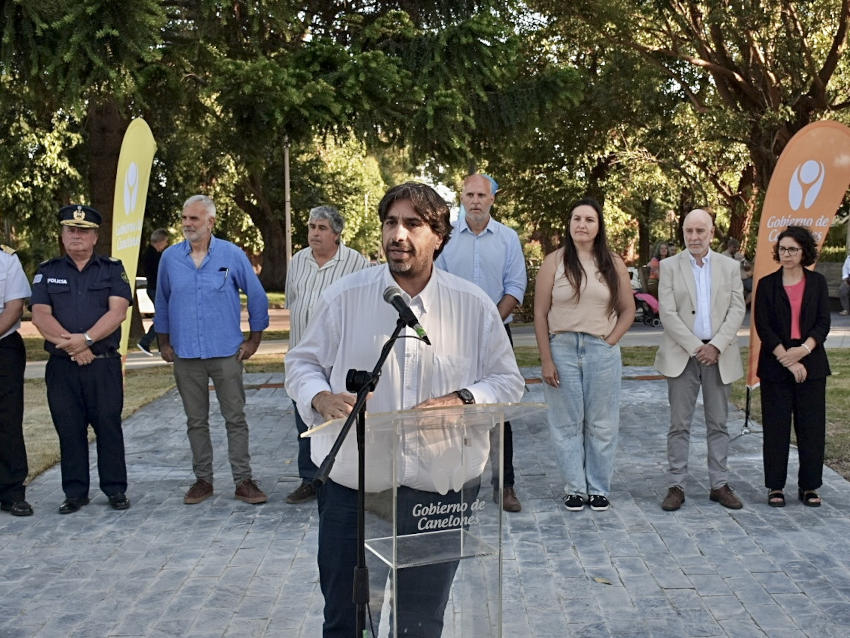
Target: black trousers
{"type": "Point", "coordinates": [806, 403]}
{"type": "Point", "coordinates": [83, 395]}
{"type": "Point", "coordinates": [13, 453]}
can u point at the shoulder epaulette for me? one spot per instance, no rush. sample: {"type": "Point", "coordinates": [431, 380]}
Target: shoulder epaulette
{"type": "Point", "coordinates": [7, 249]}
{"type": "Point", "coordinates": [111, 258]}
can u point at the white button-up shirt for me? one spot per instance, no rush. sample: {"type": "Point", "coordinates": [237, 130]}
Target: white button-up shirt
{"type": "Point", "coordinates": [13, 284]}
{"type": "Point", "coordinates": [350, 325]}
{"type": "Point", "coordinates": [702, 279]}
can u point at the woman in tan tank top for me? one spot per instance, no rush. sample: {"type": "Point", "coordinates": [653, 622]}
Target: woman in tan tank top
{"type": "Point", "coordinates": [583, 304]}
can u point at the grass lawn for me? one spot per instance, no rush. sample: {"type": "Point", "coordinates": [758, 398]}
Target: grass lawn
{"type": "Point", "coordinates": [143, 386]}
{"type": "Point", "coordinates": [36, 352]}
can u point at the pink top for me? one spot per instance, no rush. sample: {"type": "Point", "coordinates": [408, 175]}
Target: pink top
{"type": "Point", "coordinates": [795, 296]}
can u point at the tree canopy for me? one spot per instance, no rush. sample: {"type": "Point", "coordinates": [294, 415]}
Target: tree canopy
{"type": "Point", "coordinates": [225, 86]}
{"type": "Point", "coordinates": [653, 107]}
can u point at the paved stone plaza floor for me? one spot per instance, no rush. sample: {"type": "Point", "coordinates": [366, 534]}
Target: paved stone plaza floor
{"type": "Point", "coordinates": [225, 568]}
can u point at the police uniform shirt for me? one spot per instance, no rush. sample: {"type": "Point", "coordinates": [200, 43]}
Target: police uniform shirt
{"type": "Point", "coordinates": [80, 298]}
{"type": "Point", "coordinates": [13, 283]}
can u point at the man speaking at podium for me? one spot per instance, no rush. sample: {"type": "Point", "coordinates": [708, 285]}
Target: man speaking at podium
{"type": "Point", "coordinates": [470, 361]}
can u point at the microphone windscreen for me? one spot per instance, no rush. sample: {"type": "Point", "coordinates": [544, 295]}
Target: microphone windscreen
{"type": "Point", "coordinates": [390, 292]}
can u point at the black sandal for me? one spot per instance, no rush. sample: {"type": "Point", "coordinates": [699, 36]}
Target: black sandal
{"type": "Point", "coordinates": [776, 498]}
{"type": "Point", "coordinates": [810, 498]}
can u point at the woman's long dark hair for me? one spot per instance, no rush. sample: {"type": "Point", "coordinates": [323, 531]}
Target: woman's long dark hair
{"type": "Point", "coordinates": [601, 255]}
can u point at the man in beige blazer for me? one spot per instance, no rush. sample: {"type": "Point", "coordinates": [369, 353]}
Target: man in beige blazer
{"type": "Point", "coordinates": [701, 306]}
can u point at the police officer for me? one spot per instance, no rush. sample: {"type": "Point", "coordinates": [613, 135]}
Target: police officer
{"type": "Point", "coordinates": [78, 304]}
{"type": "Point", "coordinates": [14, 288]}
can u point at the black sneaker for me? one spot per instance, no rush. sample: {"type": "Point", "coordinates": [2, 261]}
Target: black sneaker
{"type": "Point", "coordinates": [598, 503]}
{"type": "Point", "coordinates": [574, 502]}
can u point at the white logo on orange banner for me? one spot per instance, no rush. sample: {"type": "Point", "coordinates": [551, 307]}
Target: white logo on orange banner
{"type": "Point", "coordinates": [805, 185]}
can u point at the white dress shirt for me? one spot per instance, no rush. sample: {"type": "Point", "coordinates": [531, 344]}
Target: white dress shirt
{"type": "Point", "coordinates": [350, 325]}
{"type": "Point", "coordinates": [13, 285]}
{"type": "Point", "coordinates": [702, 279]}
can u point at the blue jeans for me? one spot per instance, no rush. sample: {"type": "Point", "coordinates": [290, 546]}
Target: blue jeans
{"type": "Point", "coordinates": [584, 412]}
{"type": "Point", "coordinates": [306, 468]}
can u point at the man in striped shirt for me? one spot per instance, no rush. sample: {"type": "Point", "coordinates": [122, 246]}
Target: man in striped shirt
{"type": "Point", "coordinates": [312, 270]}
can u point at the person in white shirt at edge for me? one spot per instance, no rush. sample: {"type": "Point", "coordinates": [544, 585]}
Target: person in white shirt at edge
{"type": "Point", "coordinates": [701, 304]}
{"type": "Point", "coordinates": [489, 254]}
{"type": "Point", "coordinates": [311, 270]}
{"type": "Point", "coordinates": [844, 289]}
{"type": "Point", "coordinates": [471, 360]}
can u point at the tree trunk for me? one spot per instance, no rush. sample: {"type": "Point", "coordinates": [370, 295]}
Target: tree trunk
{"type": "Point", "coordinates": [644, 240]}
{"type": "Point", "coordinates": [251, 198]}
{"type": "Point", "coordinates": [105, 128]}
{"type": "Point", "coordinates": [273, 274]}
{"type": "Point", "coordinates": [743, 207]}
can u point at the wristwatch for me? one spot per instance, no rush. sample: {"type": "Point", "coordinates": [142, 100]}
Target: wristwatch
{"type": "Point", "coordinates": [465, 396]}
{"type": "Point", "coordinates": [89, 340]}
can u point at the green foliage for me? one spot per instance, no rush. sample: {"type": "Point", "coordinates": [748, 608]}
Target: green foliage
{"type": "Point", "coordinates": [43, 165]}
{"type": "Point", "coordinates": [749, 75]}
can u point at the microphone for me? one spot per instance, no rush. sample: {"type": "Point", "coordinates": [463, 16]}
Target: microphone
{"type": "Point", "coordinates": [392, 295]}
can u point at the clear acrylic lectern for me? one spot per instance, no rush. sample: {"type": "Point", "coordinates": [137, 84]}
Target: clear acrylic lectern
{"type": "Point", "coordinates": [433, 521]}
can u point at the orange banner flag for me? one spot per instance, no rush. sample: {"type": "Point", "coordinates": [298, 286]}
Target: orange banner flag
{"type": "Point", "coordinates": [806, 188]}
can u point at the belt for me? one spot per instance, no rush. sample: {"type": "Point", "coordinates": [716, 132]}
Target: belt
{"type": "Point", "coordinates": [105, 355]}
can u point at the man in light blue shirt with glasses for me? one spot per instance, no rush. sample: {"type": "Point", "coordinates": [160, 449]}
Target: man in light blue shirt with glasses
{"type": "Point", "coordinates": [489, 254]}
{"type": "Point", "coordinates": [198, 324]}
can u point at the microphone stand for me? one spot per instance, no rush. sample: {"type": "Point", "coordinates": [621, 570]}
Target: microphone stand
{"type": "Point", "coordinates": [361, 382]}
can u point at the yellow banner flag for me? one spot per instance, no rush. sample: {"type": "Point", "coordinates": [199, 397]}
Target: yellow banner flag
{"type": "Point", "coordinates": [128, 207]}
{"type": "Point", "coordinates": [805, 189]}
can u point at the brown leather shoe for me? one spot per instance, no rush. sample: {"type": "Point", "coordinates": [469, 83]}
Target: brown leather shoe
{"type": "Point", "coordinates": [510, 503]}
{"type": "Point", "coordinates": [249, 492]}
{"type": "Point", "coordinates": [674, 499]}
{"type": "Point", "coordinates": [200, 491]}
{"type": "Point", "coordinates": [726, 497]}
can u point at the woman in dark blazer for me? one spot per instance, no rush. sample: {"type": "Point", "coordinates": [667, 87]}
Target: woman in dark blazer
{"type": "Point", "coordinates": [792, 321]}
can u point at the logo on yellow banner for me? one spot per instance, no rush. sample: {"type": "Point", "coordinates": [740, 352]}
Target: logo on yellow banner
{"type": "Point", "coordinates": [128, 206]}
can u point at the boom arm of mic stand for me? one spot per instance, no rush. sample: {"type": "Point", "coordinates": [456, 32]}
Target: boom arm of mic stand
{"type": "Point", "coordinates": [326, 466]}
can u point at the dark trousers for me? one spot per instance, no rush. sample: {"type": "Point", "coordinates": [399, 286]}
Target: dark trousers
{"type": "Point", "coordinates": [83, 395]}
{"type": "Point", "coordinates": [806, 402]}
{"type": "Point", "coordinates": [306, 468]}
{"type": "Point", "coordinates": [422, 591]}
{"type": "Point", "coordinates": [148, 338]}
{"type": "Point", "coordinates": [13, 453]}
{"type": "Point", "coordinates": [508, 443]}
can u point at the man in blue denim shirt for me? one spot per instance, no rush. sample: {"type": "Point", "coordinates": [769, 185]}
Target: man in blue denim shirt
{"type": "Point", "coordinates": [197, 322]}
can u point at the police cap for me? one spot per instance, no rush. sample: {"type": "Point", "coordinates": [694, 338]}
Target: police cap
{"type": "Point", "coordinates": [80, 216]}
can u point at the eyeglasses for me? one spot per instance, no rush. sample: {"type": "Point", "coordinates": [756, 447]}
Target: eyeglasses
{"type": "Point", "coordinates": [788, 250]}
